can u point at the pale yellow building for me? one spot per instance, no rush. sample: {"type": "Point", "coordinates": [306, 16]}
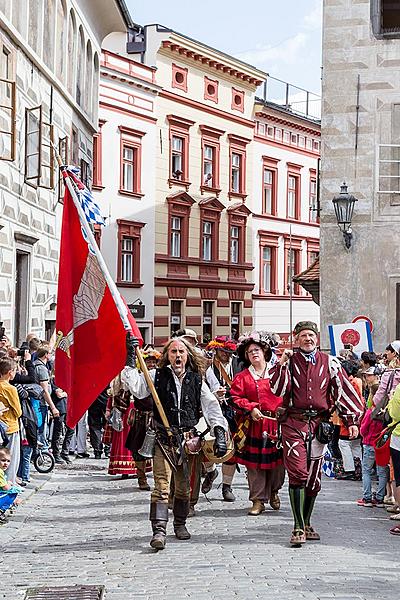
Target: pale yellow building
{"type": "Point", "coordinates": [203, 252]}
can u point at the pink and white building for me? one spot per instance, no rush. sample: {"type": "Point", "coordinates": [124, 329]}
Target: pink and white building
{"type": "Point", "coordinates": [124, 176]}
{"type": "Point", "coordinates": [285, 214]}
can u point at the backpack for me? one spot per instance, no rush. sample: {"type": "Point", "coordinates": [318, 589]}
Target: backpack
{"type": "Point", "coordinates": [29, 422]}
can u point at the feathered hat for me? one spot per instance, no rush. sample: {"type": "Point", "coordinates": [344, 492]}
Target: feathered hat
{"type": "Point", "coordinates": [265, 339]}
{"type": "Point", "coordinates": [222, 342]}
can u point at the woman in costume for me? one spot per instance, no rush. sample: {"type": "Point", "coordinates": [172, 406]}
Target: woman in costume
{"type": "Point", "coordinates": [251, 395]}
{"type": "Point", "coordinates": [121, 460]}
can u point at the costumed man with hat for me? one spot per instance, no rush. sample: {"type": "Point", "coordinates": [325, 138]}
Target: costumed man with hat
{"type": "Point", "coordinates": [184, 396]}
{"type": "Point", "coordinates": [219, 377]}
{"type": "Point", "coordinates": [312, 385]}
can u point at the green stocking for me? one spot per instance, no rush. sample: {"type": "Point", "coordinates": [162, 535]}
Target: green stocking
{"type": "Point", "coordinates": [296, 495]}
{"type": "Point", "coordinates": [309, 502]}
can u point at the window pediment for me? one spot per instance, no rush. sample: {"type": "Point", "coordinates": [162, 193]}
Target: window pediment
{"type": "Point", "coordinates": [181, 199]}
{"type": "Point", "coordinates": [239, 209]}
{"type": "Point", "coordinates": [211, 204]}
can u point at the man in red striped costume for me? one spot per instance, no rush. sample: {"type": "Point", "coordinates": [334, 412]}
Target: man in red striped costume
{"type": "Point", "coordinates": [312, 385]}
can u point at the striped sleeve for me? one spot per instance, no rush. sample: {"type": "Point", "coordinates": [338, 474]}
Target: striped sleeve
{"type": "Point", "coordinates": [279, 379]}
{"type": "Point", "coordinates": [349, 406]}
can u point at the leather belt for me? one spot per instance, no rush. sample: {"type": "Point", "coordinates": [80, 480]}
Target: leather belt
{"type": "Point", "coordinates": [306, 414]}
{"type": "Point", "coordinates": [269, 414]}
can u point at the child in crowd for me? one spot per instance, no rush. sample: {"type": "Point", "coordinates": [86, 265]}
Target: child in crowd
{"type": "Point", "coordinates": [370, 430]}
{"type": "Point", "coordinates": [8, 493]}
{"type": "Point", "coordinates": [9, 398]}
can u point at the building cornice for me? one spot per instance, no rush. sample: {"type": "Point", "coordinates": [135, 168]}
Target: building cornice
{"type": "Point", "coordinates": [289, 121]}
{"type": "Point", "coordinates": [296, 149]}
{"type": "Point", "coordinates": [218, 61]}
{"type": "Point", "coordinates": [208, 109]}
{"type": "Point", "coordinates": [198, 284]}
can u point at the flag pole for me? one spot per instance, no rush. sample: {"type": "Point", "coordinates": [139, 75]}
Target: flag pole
{"type": "Point", "coordinates": [112, 287]}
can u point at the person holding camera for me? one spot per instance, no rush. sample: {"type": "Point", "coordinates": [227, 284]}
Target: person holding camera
{"type": "Point", "coordinates": [312, 385]}
{"type": "Point", "coordinates": [184, 396]}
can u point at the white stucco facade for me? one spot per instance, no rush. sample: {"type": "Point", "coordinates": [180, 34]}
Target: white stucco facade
{"type": "Point", "coordinates": [286, 146]}
{"type": "Point", "coordinates": [49, 70]}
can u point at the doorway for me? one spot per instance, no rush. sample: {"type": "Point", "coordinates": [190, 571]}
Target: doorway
{"type": "Point", "coordinates": [22, 264]}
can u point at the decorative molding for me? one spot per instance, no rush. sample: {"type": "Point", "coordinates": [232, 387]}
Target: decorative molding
{"type": "Point", "coordinates": [25, 238]}
{"type": "Point", "coordinates": [198, 284]}
{"type": "Point", "coordinates": [236, 294]}
{"type": "Point", "coordinates": [209, 293]}
{"type": "Point", "coordinates": [212, 132]}
{"type": "Point", "coordinates": [201, 57]}
{"type": "Point", "coordinates": [129, 131]}
{"type": "Point", "coordinates": [177, 292]}
{"type": "Point", "coordinates": [287, 123]}
{"type": "Point", "coordinates": [208, 109]}
{"type": "Point", "coordinates": [180, 122]}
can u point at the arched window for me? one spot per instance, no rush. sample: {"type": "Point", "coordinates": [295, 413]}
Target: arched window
{"type": "Point", "coordinates": [80, 71]}
{"type": "Point", "coordinates": [88, 78]}
{"type": "Point", "coordinates": [60, 40]}
{"type": "Point", "coordinates": [71, 51]}
{"type": "Point", "coordinates": [95, 93]}
{"type": "Point", "coordinates": [48, 33]}
{"type": "Point", "coordinates": [35, 24]}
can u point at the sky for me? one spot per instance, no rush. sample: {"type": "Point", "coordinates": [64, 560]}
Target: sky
{"type": "Point", "coordinates": [282, 38]}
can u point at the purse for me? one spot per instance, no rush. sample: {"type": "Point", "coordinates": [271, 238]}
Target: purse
{"type": "Point", "coordinates": [379, 413]}
{"type": "Point", "coordinates": [382, 445]}
{"type": "Point", "coordinates": [116, 419]}
{"type": "Point", "coordinates": [324, 432]}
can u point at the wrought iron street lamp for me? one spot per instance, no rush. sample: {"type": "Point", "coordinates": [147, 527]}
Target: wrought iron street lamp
{"type": "Point", "coordinates": [344, 208]}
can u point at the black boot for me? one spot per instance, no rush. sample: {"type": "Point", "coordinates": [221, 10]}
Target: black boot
{"type": "Point", "coordinates": [181, 511]}
{"type": "Point", "coordinates": [159, 520]}
{"type": "Point", "coordinates": [227, 493]}
{"type": "Point", "coordinates": [309, 502]}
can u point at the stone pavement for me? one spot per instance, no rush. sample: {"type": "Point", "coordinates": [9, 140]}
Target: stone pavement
{"type": "Point", "coordinates": [84, 527]}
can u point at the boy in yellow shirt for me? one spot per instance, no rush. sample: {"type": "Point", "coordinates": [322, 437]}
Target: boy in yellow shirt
{"type": "Point", "coordinates": [9, 397]}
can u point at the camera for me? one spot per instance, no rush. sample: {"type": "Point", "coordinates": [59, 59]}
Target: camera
{"type": "Point", "coordinates": [21, 351]}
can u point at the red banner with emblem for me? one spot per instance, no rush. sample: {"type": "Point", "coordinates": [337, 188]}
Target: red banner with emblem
{"type": "Point", "coordinates": [90, 347]}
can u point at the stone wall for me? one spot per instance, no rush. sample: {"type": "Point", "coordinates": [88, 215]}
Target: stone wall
{"type": "Point", "coordinates": [362, 280]}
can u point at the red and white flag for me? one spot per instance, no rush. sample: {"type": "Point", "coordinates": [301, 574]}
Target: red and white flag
{"type": "Point", "coordinates": [90, 347]}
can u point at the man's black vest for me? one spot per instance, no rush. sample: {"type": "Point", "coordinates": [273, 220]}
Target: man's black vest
{"type": "Point", "coordinates": [190, 408]}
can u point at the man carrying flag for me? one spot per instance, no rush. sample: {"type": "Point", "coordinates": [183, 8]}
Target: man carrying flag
{"type": "Point", "coordinates": [92, 319]}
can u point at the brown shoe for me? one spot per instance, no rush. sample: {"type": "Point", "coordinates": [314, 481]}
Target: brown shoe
{"type": "Point", "coordinates": [257, 508]}
{"type": "Point", "coordinates": [311, 534]}
{"type": "Point", "coordinates": [143, 485]}
{"type": "Point", "coordinates": [298, 537]}
{"type": "Point", "coordinates": [275, 501]}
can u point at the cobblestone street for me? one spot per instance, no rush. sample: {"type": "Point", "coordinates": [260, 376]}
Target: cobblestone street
{"type": "Point", "coordinates": [84, 527]}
